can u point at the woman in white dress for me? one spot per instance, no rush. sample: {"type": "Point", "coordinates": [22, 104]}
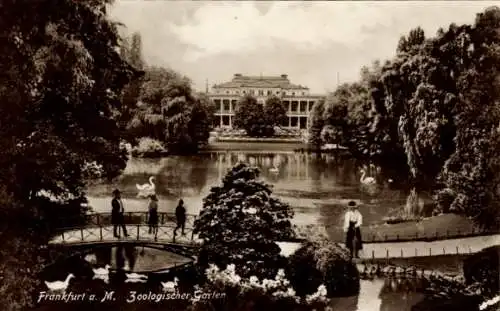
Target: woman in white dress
{"type": "Point", "coordinates": [352, 223]}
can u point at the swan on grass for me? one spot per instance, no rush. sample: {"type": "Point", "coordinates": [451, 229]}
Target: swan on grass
{"type": "Point", "coordinates": [59, 285]}
{"type": "Point", "coordinates": [170, 286]}
{"type": "Point", "coordinates": [102, 271]}
{"type": "Point", "coordinates": [146, 189]}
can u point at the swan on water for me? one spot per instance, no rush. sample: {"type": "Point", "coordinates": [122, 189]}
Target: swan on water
{"type": "Point", "coordinates": [59, 285]}
{"type": "Point", "coordinates": [170, 286]}
{"type": "Point", "coordinates": [102, 271]}
{"type": "Point", "coordinates": [274, 169]}
{"type": "Point", "coordinates": [148, 186]}
{"type": "Point", "coordinates": [136, 278]}
{"type": "Point", "coordinates": [366, 180]}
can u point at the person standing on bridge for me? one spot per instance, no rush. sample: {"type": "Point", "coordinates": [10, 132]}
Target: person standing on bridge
{"type": "Point", "coordinates": [352, 223]}
{"type": "Point", "coordinates": [180, 215]}
{"type": "Point", "coordinates": [117, 211]}
{"type": "Point", "coordinates": [153, 214]}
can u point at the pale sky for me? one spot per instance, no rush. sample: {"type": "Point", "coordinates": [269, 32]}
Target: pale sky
{"type": "Point", "coordinates": [309, 41]}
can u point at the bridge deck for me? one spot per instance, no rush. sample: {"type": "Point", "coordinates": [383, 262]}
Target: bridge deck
{"type": "Point", "coordinates": [139, 234]}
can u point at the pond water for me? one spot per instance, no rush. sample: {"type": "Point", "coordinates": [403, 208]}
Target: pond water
{"type": "Point", "coordinates": [317, 186]}
{"type": "Point", "coordinates": [384, 294]}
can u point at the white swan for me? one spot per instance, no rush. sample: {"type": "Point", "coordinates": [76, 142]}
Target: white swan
{"type": "Point", "coordinates": [150, 186]}
{"type": "Point", "coordinates": [146, 190]}
{"type": "Point", "coordinates": [136, 278]}
{"type": "Point", "coordinates": [102, 271]}
{"type": "Point", "coordinates": [134, 275]}
{"type": "Point", "coordinates": [366, 180]}
{"type": "Point", "coordinates": [170, 286]}
{"type": "Point", "coordinates": [59, 285]}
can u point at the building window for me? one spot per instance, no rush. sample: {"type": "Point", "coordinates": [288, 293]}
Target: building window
{"type": "Point", "coordinates": [225, 102]}
{"type": "Point", "coordinates": [244, 92]}
{"type": "Point", "coordinates": [283, 93]}
{"type": "Point", "coordinates": [227, 92]}
{"type": "Point", "coordinates": [261, 92]}
{"type": "Point", "coordinates": [217, 104]}
{"type": "Point", "coordinates": [293, 93]}
{"type": "Point", "coordinates": [269, 92]}
{"type": "Point", "coordinates": [233, 104]}
{"type": "Point", "coordinates": [303, 106]}
{"type": "Point", "coordinates": [252, 92]}
{"type": "Point", "coordinates": [277, 92]}
{"type": "Point", "coordinates": [311, 104]}
{"type": "Point", "coordinates": [225, 120]}
{"type": "Point", "coordinates": [303, 93]}
{"type": "Point", "coordinates": [294, 121]}
{"type": "Point", "coordinates": [237, 92]}
{"type": "Point", "coordinates": [303, 122]}
{"type": "Point", "coordinates": [295, 105]}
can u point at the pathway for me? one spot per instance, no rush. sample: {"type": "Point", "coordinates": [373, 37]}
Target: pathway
{"type": "Point", "coordinates": [139, 234]}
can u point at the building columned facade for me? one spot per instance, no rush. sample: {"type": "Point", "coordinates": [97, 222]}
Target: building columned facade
{"type": "Point", "coordinates": [296, 98]}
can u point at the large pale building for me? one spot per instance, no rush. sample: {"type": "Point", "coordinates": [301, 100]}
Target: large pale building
{"type": "Point", "coordinates": [296, 98]}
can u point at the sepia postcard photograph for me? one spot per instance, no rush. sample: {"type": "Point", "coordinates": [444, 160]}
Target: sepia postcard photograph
{"type": "Point", "coordinates": [249, 155]}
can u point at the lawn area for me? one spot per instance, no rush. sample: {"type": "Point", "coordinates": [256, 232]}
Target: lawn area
{"type": "Point", "coordinates": [432, 228]}
{"type": "Point", "coordinates": [269, 146]}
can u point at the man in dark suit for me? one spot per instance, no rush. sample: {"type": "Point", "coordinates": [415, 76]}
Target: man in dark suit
{"type": "Point", "coordinates": [117, 218]}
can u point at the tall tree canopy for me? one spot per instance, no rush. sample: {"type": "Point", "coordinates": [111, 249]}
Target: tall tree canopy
{"type": "Point", "coordinates": [61, 77]}
{"type": "Point", "coordinates": [431, 112]}
{"type": "Point", "coordinates": [171, 112]}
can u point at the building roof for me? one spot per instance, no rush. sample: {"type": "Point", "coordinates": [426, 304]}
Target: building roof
{"type": "Point", "coordinates": [281, 82]}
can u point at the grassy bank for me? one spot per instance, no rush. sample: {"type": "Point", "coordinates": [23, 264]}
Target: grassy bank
{"type": "Point", "coordinates": [257, 146]}
{"type": "Point", "coordinates": [428, 229]}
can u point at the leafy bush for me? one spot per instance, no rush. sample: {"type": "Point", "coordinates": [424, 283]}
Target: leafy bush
{"type": "Point", "coordinates": [148, 147]}
{"type": "Point", "coordinates": [323, 262]}
{"type": "Point", "coordinates": [240, 223]}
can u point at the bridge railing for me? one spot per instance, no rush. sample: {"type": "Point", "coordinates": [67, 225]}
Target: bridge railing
{"type": "Point", "coordinates": [136, 232]}
{"type": "Point", "coordinates": [372, 235]}
{"type": "Point", "coordinates": [103, 219]}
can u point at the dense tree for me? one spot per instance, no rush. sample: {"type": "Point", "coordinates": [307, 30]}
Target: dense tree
{"type": "Point", "coordinates": [431, 113]}
{"type": "Point", "coordinates": [316, 125]}
{"type": "Point", "coordinates": [60, 83]}
{"type": "Point", "coordinates": [170, 112]}
{"type": "Point", "coordinates": [131, 50]}
{"type": "Point", "coordinates": [257, 119]}
{"type": "Point", "coordinates": [249, 115]}
{"type": "Point", "coordinates": [275, 112]}
{"type": "Point", "coordinates": [240, 222]}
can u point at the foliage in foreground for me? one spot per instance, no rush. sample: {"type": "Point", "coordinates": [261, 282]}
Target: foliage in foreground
{"type": "Point", "coordinates": [253, 293]}
{"type": "Point", "coordinates": [240, 222]}
{"type": "Point", "coordinates": [61, 78]}
{"type": "Point", "coordinates": [323, 262]}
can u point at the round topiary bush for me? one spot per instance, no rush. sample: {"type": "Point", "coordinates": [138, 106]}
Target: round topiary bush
{"type": "Point", "coordinates": [323, 262]}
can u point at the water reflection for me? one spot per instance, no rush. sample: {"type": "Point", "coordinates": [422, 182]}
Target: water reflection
{"type": "Point", "coordinates": [317, 186]}
{"type": "Point", "coordinates": [133, 258]}
{"type": "Point", "coordinates": [382, 295]}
